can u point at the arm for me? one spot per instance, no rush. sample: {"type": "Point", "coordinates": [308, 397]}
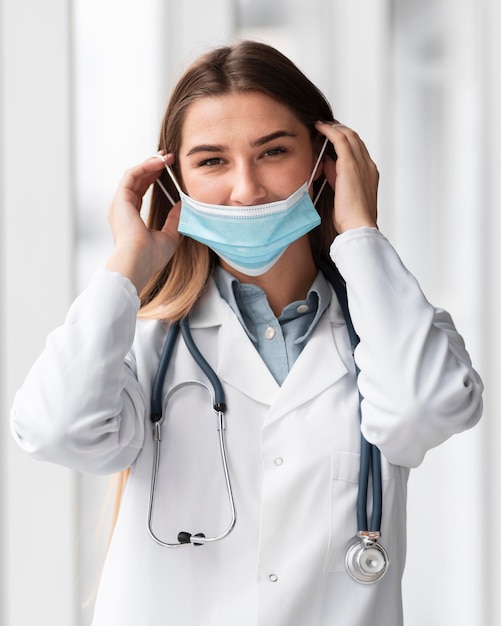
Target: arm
{"type": "Point", "coordinates": [416, 378]}
{"type": "Point", "coordinates": [81, 405]}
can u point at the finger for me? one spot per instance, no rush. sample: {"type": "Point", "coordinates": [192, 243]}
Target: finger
{"type": "Point", "coordinates": [344, 139]}
{"type": "Point", "coordinates": [356, 143]}
{"type": "Point", "coordinates": [330, 171]}
{"type": "Point", "coordinates": [172, 221]}
{"type": "Point", "coordinates": [166, 158]}
{"type": "Point", "coordinates": [136, 180]}
{"type": "Point", "coordinates": [146, 172]}
{"type": "Point", "coordinates": [337, 135]}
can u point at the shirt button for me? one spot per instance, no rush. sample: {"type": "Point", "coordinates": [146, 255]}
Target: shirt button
{"type": "Point", "coordinates": [279, 460]}
{"type": "Point", "coordinates": [269, 333]}
{"type": "Point", "coordinates": [303, 308]}
{"type": "Point", "coordinates": [273, 578]}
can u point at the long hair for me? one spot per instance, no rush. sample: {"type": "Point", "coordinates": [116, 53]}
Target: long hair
{"type": "Point", "coordinates": [245, 66]}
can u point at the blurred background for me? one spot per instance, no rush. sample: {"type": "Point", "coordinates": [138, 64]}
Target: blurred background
{"type": "Point", "coordinates": [82, 90]}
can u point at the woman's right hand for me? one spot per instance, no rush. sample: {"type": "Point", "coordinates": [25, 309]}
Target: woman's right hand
{"type": "Point", "coordinates": [140, 252]}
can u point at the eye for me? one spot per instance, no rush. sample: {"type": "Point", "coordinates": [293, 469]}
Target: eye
{"type": "Point", "coordinates": [271, 152]}
{"type": "Point", "coordinates": [211, 162]}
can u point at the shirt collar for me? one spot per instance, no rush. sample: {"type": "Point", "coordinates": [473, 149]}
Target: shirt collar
{"type": "Point", "coordinates": [236, 294]}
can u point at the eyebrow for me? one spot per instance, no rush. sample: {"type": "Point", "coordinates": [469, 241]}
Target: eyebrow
{"type": "Point", "coordinates": [255, 144]}
{"type": "Point", "coordinates": [272, 136]}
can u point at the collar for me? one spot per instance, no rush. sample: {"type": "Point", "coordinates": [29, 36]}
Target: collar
{"type": "Point", "coordinates": [240, 298]}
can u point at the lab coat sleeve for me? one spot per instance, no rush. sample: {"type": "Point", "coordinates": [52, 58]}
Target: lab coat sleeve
{"type": "Point", "coordinates": [416, 377]}
{"type": "Point", "coordinates": [81, 405]}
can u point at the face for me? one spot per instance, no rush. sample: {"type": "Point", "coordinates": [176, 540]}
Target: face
{"type": "Point", "coordinates": [243, 149]}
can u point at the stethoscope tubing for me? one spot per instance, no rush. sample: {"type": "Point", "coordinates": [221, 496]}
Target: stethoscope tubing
{"type": "Point", "coordinates": [197, 539]}
{"type": "Point", "coordinates": [370, 462]}
{"type": "Point", "coordinates": [158, 384]}
{"type": "Point", "coordinates": [219, 406]}
{"type": "Point", "coordinates": [219, 402]}
{"type": "Point", "coordinates": [370, 457]}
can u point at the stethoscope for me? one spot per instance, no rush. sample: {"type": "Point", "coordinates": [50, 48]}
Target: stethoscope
{"type": "Point", "coordinates": [366, 560]}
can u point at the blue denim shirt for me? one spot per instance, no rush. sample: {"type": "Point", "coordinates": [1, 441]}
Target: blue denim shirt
{"type": "Point", "coordinates": [279, 341]}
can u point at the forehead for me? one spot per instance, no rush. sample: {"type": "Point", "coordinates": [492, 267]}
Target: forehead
{"type": "Point", "coordinates": [237, 116]}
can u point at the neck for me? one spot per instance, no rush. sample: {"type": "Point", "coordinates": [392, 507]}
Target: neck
{"type": "Point", "coordinates": [288, 280]}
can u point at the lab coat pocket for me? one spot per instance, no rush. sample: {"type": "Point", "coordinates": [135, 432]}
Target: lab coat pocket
{"type": "Point", "coordinates": [345, 467]}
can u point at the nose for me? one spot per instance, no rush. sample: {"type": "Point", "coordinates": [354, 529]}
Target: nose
{"type": "Point", "coordinates": [247, 188]}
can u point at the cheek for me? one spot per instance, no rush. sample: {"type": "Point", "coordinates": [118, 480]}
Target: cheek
{"type": "Point", "coordinates": [187, 179]}
{"type": "Point", "coordinates": [204, 188]}
{"type": "Point", "coordinates": [283, 179]}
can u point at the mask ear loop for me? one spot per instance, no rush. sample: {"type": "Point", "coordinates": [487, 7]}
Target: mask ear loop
{"type": "Point", "coordinates": [172, 177]}
{"type": "Point", "coordinates": [326, 141]}
{"type": "Point", "coordinates": [319, 192]}
{"type": "Point", "coordinates": [164, 189]}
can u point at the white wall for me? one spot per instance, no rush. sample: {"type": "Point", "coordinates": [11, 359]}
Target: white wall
{"type": "Point", "coordinates": [489, 216]}
{"type": "Point", "coordinates": [38, 501]}
{"type": "Point", "coordinates": [80, 100]}
{"type": "Point", "coordinates": [437, 196]}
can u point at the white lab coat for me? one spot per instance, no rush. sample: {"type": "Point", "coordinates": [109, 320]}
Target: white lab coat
{"type": "Point", "coordinates": [293, 450]}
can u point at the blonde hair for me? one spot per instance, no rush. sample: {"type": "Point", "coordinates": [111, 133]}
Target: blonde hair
{"type": "Point", "coordinates": [172, 293]}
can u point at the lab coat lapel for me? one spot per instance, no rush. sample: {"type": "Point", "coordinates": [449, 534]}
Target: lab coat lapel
{"type": "Point", "coordinates": [319, 365]}
{"type": "Point", "coordinates": [238, 362]}
{"type": "Point", "coordinates": [241, 366]}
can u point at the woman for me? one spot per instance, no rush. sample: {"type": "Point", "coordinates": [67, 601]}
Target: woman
{"type": "Point", "coordinates": [243, 140]}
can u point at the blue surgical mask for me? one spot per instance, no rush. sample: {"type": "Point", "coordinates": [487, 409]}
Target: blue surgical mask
{"type": "Point", "coordinates": [250, 239]}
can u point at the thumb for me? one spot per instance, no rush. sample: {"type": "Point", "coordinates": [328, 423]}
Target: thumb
{"type": "Point", "coordinates": [172, 221]}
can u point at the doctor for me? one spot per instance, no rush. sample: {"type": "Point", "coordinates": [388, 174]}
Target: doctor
{"type": "Point", "coordinates": [243, 137]}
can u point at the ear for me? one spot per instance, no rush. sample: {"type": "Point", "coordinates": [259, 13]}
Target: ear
{"type": "Point", "coordinates": [319, 148]}
{"type": "Point", "coordinates": [320, 171]}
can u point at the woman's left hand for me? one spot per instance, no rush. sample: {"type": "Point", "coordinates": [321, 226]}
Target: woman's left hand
{"type": "Point", "coordinates": [353, 177]}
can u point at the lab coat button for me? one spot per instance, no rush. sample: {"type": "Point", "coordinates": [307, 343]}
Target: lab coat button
{"type": "Point", "coordinates": [303, 308]}
{"type": "Point", "coordinates": [269, 333]}
{"type": "Point", "coordinates": [279, 461]}
{"type": "Point", "coordinates": [273, 578]}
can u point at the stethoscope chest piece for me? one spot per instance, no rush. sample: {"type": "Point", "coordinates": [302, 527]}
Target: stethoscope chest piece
{"type": "Point", "coordinates": [366, 561]}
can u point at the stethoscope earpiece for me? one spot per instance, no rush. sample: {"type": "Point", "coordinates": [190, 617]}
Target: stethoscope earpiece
{"type": "Point", "coordinates": [366, 561]}
{"type": "Point", "coordinates": [184, 537]}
